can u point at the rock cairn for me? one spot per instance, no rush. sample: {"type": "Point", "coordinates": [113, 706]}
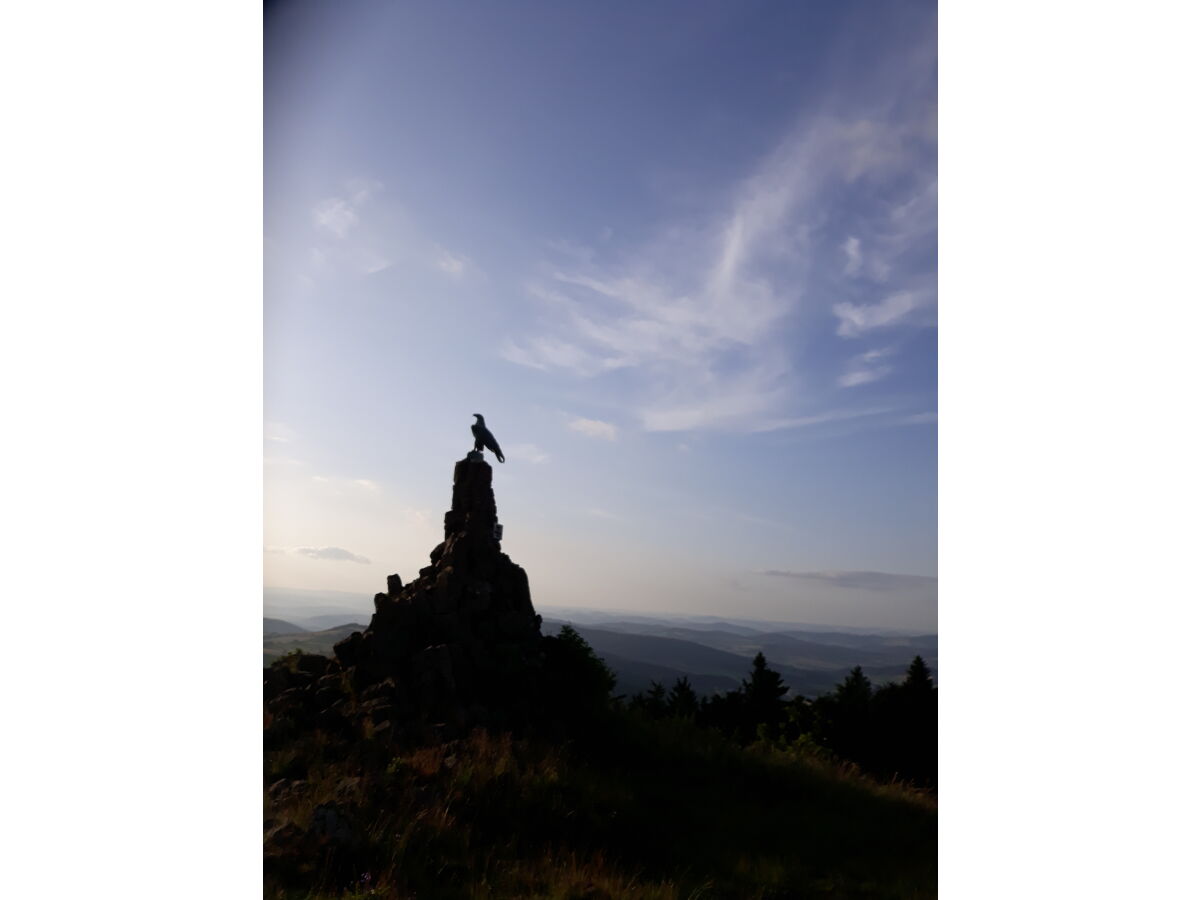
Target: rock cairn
{"type": "Point", "coordinates": [459, 645]}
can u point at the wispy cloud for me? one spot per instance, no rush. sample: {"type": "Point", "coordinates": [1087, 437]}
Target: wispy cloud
{"type": "Point", "coordinates": [825, 418]}
{"type": "Point", "coordinates": [703, 320]}
{"type": "Point", "coordinates": [331, 553]}
{"type": "Point", "coordinates": [865, 368]}
{"type": "Point", "coordinates": [335, 215]}
{"type": "Point", "coordinates": [340, 486]}
{"type": "Point", "coordinates": [864, 581]}
{"type": "Point", "coordinates": [339, 214]}
{"type": "Point", "coordinates": [853, 250]}
{"type": "Point", "coordinates": [281, 461]}
{"type": "Point", "coordinates": [277, 433]}
{"type": "Point", "coordinates": [339, 217]}
{"type": "Point", "coordinates": [855, 319]}
{"type": "Point", "coordinates": [531, 453]}
{"type": "Point", "coordinates": [594, 428]}
{"type": "Point", "coordinates": [452, 264]}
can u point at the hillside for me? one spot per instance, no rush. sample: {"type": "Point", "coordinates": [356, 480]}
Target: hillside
{"type": "Point", "coordinates": [627, 809]}
{"type": "Point", "coordinates": [273, 627]}
{"type": "Point", "coordinates": [277, 645]}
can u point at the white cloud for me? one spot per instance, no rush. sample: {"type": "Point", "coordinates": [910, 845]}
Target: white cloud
{"type": "Point", "coordinates": [741, 401]}
{"type": "Point", "coordinates": [278, 433]}
{"type": "Point", "coordinates": [867, 581]}
{"type": "Point", "coordinates": [335, 216]}
{"type": "Point", "coordinates": [594, 428]}
{"type": "Point", "coordinates": [856, 319]}
{"type": "Point", "coordinates": [368, 262]}
{"type": "Point", "coordinates": [865, 368]}
{"type": "Point", "coordinates": [548, 352]}
{"type": "Point", "coordinates": [338, 217]}
{"type": "Point", "coordinates": [862, 376]}
{"type": "Point", "coordinates": [331, 553]}
{"type": "Point", "coordinates": [853, 250]}
{"type": "Point", "coordinates": [531, 453]}
{"type": "Point", "coordinates": [450, 263]}
{"type": "Point", "coordinates": [360, 190]}
{"type": "Point", "coordinates": [423, 518]}
{"type": "Point", "coordinates": [341, 486]}
{"type": "Point", "coordinates": [833, 415]}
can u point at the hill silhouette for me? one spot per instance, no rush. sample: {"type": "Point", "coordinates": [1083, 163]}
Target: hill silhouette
{"type": "Point", "coordinates": [278, 626]}
{"type": "Point", "coordinates": [811, 666]}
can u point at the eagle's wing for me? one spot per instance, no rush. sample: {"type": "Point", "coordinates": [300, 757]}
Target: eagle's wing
{"type": "Point", "coordinates": [489, 441]}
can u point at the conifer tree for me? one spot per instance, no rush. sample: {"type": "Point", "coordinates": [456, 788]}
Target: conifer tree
{"type": "Point", "coordinates": [682, 700]}
{"type": "Point", "coordinates": [764, 695]}
{"type": "Point", "coordinates": [918, 679]}
{"type": "Point", "coordinates": [656, 700]}
{"type": "Point", "coordinates": [855, 690]}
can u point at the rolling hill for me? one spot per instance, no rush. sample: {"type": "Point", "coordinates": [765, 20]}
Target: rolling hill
{"type": "Point", "coordinates": [714, 659]}
{"type": "Point", "coordinates": [272, 627]}
{"type": "Point", "coordinates": [275, 646]}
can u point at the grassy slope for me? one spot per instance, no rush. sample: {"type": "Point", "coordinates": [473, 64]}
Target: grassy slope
{"type": "Point", "coordinates": [636, 809]}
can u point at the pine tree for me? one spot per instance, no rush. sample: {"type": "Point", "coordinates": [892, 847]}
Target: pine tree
{"type": "Point", "coordinates": [656, 700]}
{"type": "Point", "coordinates": [919, 679]}
{"type": "Point", "coordinates": [682, 700]}
{"type": "Point", "coordinates": [855, 690]}
{"type": "Point", "coordinates": [764, 695]}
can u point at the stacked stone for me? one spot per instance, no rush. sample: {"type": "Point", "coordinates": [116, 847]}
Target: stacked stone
{"type": "Point", "coordinates": [460, 644]}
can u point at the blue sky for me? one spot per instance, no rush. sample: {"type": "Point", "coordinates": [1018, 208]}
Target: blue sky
{"type": "Point", "coordinates": [682, 256]}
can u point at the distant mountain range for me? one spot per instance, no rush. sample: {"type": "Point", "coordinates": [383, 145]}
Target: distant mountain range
{"type": "Point", "coordinates": [714, 654]}
{"type": "Point", "coordinates": [273, 627]}
{"type": "Point", "coordinates": [717, 659]}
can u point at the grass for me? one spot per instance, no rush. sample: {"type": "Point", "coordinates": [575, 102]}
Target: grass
{"type": "Point", "coordinates": [632, 808]}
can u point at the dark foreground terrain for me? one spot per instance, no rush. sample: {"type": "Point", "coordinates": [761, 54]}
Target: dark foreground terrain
{"type": "Point", "coordinates": [623, 807]}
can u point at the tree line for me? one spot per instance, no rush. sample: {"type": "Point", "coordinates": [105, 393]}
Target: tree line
{"type": "Point", "coordinates": [889, 731]}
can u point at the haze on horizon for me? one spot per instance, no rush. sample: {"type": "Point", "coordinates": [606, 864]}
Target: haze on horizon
{"type": "Point", "coordinates": [681, 256]}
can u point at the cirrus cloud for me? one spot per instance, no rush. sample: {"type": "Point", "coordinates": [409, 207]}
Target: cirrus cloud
{"type": "Point", "coordinates": [864, 581]}
{"type": "Point", "coordinates": [336, 554]}
{"type": "Point", "coordinates": [594, 428]}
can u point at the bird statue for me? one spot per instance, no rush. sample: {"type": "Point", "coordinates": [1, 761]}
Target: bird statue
{"type": "Point", "coordinates": [484, 438]}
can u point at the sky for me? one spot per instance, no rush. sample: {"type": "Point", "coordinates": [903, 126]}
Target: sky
{"type": "Point", "coordinates": [681, 256]}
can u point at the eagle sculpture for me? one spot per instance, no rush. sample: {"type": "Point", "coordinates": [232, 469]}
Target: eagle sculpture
{"type": "Point", "coordinates": [484, 438]}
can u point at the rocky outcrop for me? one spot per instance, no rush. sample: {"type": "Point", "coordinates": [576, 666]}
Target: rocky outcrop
{"type": "Point", "coordinates": [457, 646]}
